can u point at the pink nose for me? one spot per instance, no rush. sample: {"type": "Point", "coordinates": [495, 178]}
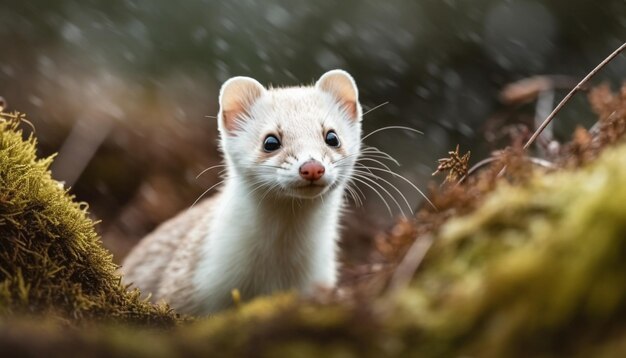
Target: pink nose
{"type": "Point", "coordinates": [312, 170]}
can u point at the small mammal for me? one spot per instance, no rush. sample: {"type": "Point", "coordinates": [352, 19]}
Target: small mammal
{"type": "Point", "coordinates": [289, 153]}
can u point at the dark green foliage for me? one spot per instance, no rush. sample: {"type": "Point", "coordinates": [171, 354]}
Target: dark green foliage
{"type": "Point", "coordinates": [51, 259]}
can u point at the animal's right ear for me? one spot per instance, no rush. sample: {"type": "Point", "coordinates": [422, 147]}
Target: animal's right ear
{"type": "Point", "coordinates": [237, 95]}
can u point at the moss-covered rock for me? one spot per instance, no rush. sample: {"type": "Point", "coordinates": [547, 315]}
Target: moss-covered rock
{"type": "Point", "coordinates": [51, 259]}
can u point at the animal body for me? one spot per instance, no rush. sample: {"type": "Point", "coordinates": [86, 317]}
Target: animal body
{"type": "Point", "coordinates": [289, 154]}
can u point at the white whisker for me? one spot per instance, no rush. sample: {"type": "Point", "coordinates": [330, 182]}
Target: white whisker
{"type": "Point", "coordinates": [354, 194]}
{"type": "Point", "coordinates": [391, 127]}
{"type": "Point", "coordinates": [375, 108]}
{"type": "Point", "coordinates": [269, 190]}
{"type": "Point", "coordinates": [205, 192]}
{"type": "Point", "coordinates": [393, 186]}
{"type": "Point", "coordinates": [375, 191]}
{"type": "Point", "coordinates": [373, 160]}
{"type": "Point", "coordinates": [209, 168]}
{"type": "Point", "coordinates": [369, 179]}
{"type": "Point", "coordinates": [369, 149]}
{"type": "Point", "coordinates": [409, 182]}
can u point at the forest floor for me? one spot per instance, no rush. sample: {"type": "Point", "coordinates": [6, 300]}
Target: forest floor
{"type": "Point", "coordinates": [523, 256]}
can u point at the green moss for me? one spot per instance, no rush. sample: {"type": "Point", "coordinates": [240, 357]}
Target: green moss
{"type": "Point", "coordinates": [537, 268]}
{"type": "Point", "coordinates": [51, 258]}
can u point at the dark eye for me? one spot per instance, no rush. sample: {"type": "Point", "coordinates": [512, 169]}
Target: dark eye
{"type": "Point", "coordinates": [271, 143]}
{"type": "Point", "coordinates": [332, 139]}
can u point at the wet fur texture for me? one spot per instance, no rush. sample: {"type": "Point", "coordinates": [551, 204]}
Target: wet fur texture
{"type": "Point", "coordinates": [268, 229]}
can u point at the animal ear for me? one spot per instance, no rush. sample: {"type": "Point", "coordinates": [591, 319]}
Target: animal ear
{"type": "Point", "coordinates": [237, 95]}
{"type": "Point", "coordinates": [342, 86]}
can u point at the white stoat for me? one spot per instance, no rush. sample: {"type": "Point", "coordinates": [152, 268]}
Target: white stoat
{"type": "Point", "coordinates": [289, 153]}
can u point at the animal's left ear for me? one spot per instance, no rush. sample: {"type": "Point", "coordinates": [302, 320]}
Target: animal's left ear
{"type": "Point", "coordinates": [342, 86]}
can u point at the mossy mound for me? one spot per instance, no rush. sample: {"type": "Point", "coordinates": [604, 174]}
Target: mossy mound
{"type": "Point", "coordinates": [538, 268]}
{"type": "Point", "coordinates": [51, 259]}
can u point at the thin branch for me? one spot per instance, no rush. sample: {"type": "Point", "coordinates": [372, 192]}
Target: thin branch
{"type": "Point", "coordinates": [411, 261]}
{"type": "Point", "coordinates": [564, 101]}
{"type": "Point", "coordinates": [479, 165]}
{"type": "Point", "coordinates": [542, 162]}
{"type": "Point", "coordinates": [578, 87]}
{"type": "Point", "coordinates": [537, 161]}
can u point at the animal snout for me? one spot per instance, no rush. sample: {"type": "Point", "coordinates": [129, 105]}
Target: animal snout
{"type": "Point", "coordinates": [312, 170]}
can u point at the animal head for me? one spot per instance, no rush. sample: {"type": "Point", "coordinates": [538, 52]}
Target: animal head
{"type": "Point", "coordinates": [296, 142]}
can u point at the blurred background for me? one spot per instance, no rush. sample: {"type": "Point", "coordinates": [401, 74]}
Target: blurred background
{"type": "Point", "coordinates": [125, 90]}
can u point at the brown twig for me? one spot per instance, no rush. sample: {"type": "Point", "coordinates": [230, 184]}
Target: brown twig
{"type": "Point", "coordinates": [479, 165]}
{"type": "Point", "coordinates": [558, 108]}
{"type": "Point", "coordinates": [528, 89]}
{"type": "Point", "coordinates": [16, 116]}
{"type": "Point", "coordinates": [410, 263]}
{"type": "Point", "coordinates": [578, 87]}
{"type": "Point", "coordinates": [537, 161]}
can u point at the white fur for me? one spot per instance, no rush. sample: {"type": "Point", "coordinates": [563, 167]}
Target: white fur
{"type": "Point", "coordinates": [260, 249]}
{"type": "Point", "coordinates": [273, 238]}
{"type": "Point", "coordinates": [269, 229]}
